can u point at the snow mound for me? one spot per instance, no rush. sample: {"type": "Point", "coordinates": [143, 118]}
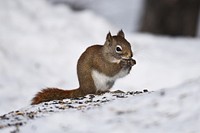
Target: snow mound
{"type": "Point", "coordinates": [169, 110]}
{"type": "Point", "coordinates": [23, 116]}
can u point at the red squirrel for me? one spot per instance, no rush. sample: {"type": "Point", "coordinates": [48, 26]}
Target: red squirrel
{"type": "Point", "coordinates": [97, 68]}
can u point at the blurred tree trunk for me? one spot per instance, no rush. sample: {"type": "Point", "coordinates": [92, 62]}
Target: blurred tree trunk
{"type": "Point", "coordinates": [171, 17]}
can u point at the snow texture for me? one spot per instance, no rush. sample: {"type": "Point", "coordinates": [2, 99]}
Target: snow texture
{"type": "Point", "coordinates": [40, 44]}
{"type": "Point", "coordinates": [170, 111]}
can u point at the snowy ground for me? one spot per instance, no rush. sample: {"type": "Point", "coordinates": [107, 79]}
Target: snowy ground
{"type": "Point", "coordinates": [40, 45]}
{"type": "Point", "coordinates": [174, 110]}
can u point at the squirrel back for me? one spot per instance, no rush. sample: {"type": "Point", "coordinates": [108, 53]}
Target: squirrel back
{"type": "Point", "coordinates": [98, 68]}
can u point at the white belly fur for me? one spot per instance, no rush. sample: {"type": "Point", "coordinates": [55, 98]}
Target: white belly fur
{"type": "Point", "coordinates": [103, 82]}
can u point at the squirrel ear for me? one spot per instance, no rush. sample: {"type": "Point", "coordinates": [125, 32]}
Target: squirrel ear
{"type": "Point", "coordinates": [109, 37]}
{"type": "Point", "coordinates": [121, 33]}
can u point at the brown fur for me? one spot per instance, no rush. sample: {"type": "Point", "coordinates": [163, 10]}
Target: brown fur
{"type": "Point", "coordinates": [55, 94]}
{"type": "Point", "coordinates": [96, 57]}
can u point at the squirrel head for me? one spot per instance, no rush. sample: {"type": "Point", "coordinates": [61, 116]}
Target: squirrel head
{"type": "Point", "coordinates": [117, 47]}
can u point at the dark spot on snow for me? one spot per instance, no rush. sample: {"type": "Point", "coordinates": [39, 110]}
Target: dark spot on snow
{"type": "Point", "coordinates": [80, 102]}
{"type": "Point", "coordinates": [91, 96]}
{"type": "Point", "coordinates": [4, 117]}
{"type": "Point", "coordinates": [182, 96]}
{"type": "Point", "coordinates": [138, 92]}
{"type": "Point", "coordinates": [60, 102]}
{"type": "Point", "coordinates": [19, 124]}
{"type": "Point", "coordinates": [130, 92]}
{"type": "Point", "coordinates": [120, 112]}
{"type": "Point", "coordinates": [120, 96]}
{"type": "Point", "coordinates": [162, 93]}
{"type": "Point", "coordinates": [17, 118]}
{"type": "Point", "coordinates": [70, 106]}
{"type": "Point", "coordinates": [97, 101]}
{"type": "Point", "coordinates": [31, 115]}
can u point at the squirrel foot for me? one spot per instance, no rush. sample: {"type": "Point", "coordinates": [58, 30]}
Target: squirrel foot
{"type": "Point", "coordinates": [127, 62]}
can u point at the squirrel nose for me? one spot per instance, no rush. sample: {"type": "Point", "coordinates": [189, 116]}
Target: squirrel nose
{"type": "Point", "coordinates": [129, 55]}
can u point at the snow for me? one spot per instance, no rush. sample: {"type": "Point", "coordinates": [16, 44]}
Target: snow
{"type": "Point", "coordinates": [169, 110]}
{"type": "Point", "coordinates": [124, 14]}
{"type": "Point", "coordinates": [40, 44]}
{"type": "Point", "coordinates": [164, 62]}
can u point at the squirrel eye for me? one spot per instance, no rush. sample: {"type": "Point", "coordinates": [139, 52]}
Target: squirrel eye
{"type": "Point", "coordinates": [118, 49]}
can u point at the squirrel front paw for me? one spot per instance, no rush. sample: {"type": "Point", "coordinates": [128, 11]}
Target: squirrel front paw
{"type": "Point", "coordinates": [127, 62]}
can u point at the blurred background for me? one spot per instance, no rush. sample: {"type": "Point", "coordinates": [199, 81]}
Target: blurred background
{"type": "Point", "coordinates": [166, 17]}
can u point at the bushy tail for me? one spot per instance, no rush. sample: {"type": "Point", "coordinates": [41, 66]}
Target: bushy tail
{"type": "Point", "coordinates": [50, 94]}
